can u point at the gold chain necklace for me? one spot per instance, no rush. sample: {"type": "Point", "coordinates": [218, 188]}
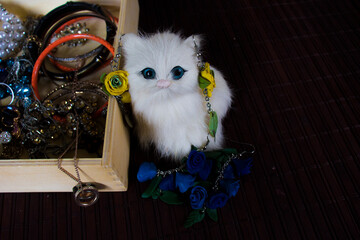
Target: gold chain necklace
{"type": "Point", "coordinates": [85, 194]}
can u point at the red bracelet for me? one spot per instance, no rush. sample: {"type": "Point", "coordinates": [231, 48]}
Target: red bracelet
{"type": "Point", "coordinates": [51, 46]}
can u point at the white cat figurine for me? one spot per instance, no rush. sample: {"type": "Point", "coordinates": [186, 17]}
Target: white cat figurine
{"type": "Point", "coordinates": [168, 104]}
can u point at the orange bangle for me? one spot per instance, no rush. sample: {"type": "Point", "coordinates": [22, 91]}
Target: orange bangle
{"type": "Point", "coordinates": [51, 46]}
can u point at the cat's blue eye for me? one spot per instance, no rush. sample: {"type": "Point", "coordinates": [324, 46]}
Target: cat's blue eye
{"type": "Point", "coordinates": [177, 72]}
{"type": "Point", "coordinates": [148, 73]}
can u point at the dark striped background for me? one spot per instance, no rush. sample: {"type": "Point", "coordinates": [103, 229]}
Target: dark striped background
{"type": "Point", "coordinates": [295, 69]}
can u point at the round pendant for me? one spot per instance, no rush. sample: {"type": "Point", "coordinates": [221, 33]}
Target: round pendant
{"type": "Point", "coordinates": [85, 194]}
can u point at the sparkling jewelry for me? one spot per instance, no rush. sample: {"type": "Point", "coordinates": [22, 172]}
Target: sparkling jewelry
{"type": "Point", "coordinates": [19, 78]}
{"type": "Point", "coordinates": [78, 28]}
{"type": "Point", "coordinates": [12, 34]}
{"type": "Point", "coordinates": [10, 150]}
{"type": "Point", "coordinates": [79, 86]}
{"type": "Point", "coordinates": [5, 137]}
{"type": "Point", "coordinates": [10, 117]}
{"type": "Point", "coordinates": [85, 194]}
{"type": "Point", "coordinates": [3, 94]}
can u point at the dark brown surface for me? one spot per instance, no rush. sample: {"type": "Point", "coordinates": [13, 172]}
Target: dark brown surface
{"type": "Point", "coordinates": [295, 70]}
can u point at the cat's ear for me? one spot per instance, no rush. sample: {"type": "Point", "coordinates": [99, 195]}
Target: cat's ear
{"type": "Point", "coordinates": [130, 41]}
{"type": "Point", "coordinates": [194, 40]}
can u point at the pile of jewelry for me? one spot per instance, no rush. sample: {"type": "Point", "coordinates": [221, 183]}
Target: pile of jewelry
{"type": "Point", "coordinates": [47, 108]}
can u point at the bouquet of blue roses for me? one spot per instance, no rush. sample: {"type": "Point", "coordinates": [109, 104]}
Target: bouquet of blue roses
{"type": "Point", "coordinates": [205, 180]}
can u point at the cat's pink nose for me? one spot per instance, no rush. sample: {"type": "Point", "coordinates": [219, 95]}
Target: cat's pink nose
{"type": "Point", "coordinates": [163, 83]}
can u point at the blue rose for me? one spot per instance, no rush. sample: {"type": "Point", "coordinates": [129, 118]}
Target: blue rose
{"type": "Point", "coordinates": [184, 181]}
{"type": "Point", "coordinates": [229, 172]}
{"type": "Point", "coordinates": [205, 171]}
{"type": "Point", "coordinates": [146, 171]}
{"type": "Point", "coordinates": [195, 161]}
{"type": "Point", "coordinates": [197, 197]}
{"type": "Point", "coordinates": [242, 166]}
{"type": "Point", "coordinates": [217, 200]}
{"type": "Point", "coordinates": [230, 187]}
{"type": "Point", "coordinates": [168, 183]}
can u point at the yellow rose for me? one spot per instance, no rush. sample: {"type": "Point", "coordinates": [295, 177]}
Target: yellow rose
{"type": "Point", "coordinates": [116, 83]}
{"type": "Point", "coordinates": [208, 75]}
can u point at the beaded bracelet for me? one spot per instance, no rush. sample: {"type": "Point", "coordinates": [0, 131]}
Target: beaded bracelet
{"type": "Point", "coordinates": [47, 50]}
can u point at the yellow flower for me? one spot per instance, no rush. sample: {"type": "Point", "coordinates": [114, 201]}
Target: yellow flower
{"type": "Point", "coordinates": [207, 74]}
{"type": "Point", "coordinates": [116, 83]}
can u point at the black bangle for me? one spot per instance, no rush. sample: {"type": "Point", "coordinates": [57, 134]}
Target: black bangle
{"type": "Point", "coordinates": [47, 23]}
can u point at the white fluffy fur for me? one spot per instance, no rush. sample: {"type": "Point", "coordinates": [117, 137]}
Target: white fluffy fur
{"type": "Point", "coordinates": [176, 117]}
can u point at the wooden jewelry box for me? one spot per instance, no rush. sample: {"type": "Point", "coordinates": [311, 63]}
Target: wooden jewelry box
{"type": "Point", "coordinates": [110, 172]}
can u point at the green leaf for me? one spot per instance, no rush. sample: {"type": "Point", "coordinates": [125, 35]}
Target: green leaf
{"type": "Point", "coordinates": [171, 198]}
{"type": "Point", "coordinates": [102, 78]}
{"type": "Point", "coordinates": [195, 216]}
{"type": "Point", "coordinates": [155, 194]}
{"type": "Point", "coordinates": [213, 154]}
{"type": "Point", "coordinates": [152, 187]}
{"type": "Point", "coordinates": [203, 82]}
{"type": "Point", "coordinates": [212, 213]}
{"type": "Point", "coordinates": [213, 123]}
